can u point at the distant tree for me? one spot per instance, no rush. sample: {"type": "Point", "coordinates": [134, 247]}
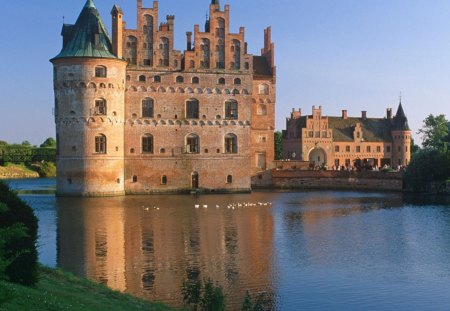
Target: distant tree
{"type": "Point", "coordinates": [278, 141]}
{"type": "Point", "coordinates": [26, 143]}
{"type": "Point", "coordinates": [49, 143]}
{"type": "Point", "coordinates": [414, 148]}
{"type": "Point", "coordinates": [3, 143]}
{"type": "Point", "coordinates": [435, 132]}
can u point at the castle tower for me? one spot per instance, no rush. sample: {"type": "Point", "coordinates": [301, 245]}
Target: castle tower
{"type": "Point", "coordinates": [401, 139]}
{"type": "Point", "coordinates": [89, 85]}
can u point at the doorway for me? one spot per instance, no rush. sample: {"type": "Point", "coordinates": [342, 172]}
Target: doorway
{"type": "Point", "coordinates": [194, 180]}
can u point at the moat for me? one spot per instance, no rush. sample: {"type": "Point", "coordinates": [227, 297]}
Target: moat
{"type": "Point", "coordinates": [317, 250]}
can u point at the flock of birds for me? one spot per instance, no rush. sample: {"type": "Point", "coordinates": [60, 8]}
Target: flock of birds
{"type": "Point", "coordinates": [231, 206]}
{"type": "Point", "coordinates": [237, 205]}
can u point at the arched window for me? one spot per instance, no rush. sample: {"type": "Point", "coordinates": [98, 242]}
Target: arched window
{"type": "Point", "coordinates": [221, 81]}
{"type": "Point", "coordinates": [148, 40]}
{"type": "Point", "coordinates": [205, 50]}
{"type": "Point", "coordinates": [179, 79]}
{"type": "Point", "coordinates": [164, 46]}
{"type": "Point", "coordinates": [135, 179]}
{"type": "Point", "coordinates": [147, 143]}
{"type": "Point", "coordinates": [220, 30]}
{"type": "Point", "coordinates": [142, 78]}
{"type": "Point", "coordinates": [236, 55]}
{"type": "Point", "coordinates": [100, 107]}
{"type": "Point", "coordinates": [230, 143]}
{"type": "Point", "coordinates": [100, 72]}
{"type": "Point", "coordinates": [195, 80]}
{"type": "Point", "coordinates": [148, 108]}
{"type": "Point", "coordinates": [220, 54]}
{"type": "Point", "coordinates": [261, 110]}
{"type": "Point", "coordinates": [157, 79]}
{"type": "Point", "coordinates": [130, 53]}
{"type": "Point", "coordinates": [237, 81]}
{"type": "Point", "coordinates": [263, 89]}
{"type": "Point", "coordinates": [192, 143]}
{"type": "Point", "coordinates": [100, 144]}
{"type": "Point", "coordinates": [164, 180]}
{"type": "Point", "coordinates": [192, 109]}
{"type": "Point", "coordinates": [231, 109]}
{"type": "Point", "coordinates": [229, 179]}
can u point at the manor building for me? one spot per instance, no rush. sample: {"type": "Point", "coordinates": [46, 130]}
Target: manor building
{"type": "Point", "coordinates": [133, 115]}
{"type": "Point", "coordinates": [348, 142]}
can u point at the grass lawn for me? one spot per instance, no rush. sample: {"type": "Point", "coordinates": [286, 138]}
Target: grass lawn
{"type": "Point", "coordinates": [59, 290]}
{"type": "Point", "coordinates": [16, 170]}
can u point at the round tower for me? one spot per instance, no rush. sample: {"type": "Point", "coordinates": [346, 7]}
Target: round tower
{"type": "Point", "coordinates": [89, 85]}
{"type": "Point", "coordinates": [401, 139]}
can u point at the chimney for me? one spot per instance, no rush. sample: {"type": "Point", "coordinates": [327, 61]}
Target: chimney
{"type": "Point", "coordinates": [117, 30]}
{"type": "Point", "coordinates": [344, 114]}
{"type": "Point", "coordinates": [189, 40]}
{"type": "Point", "coordinates": [389, 113]}
{"type": "Point", "coordinates": [170, 21]}
{"type": "Point", "coordinates": [364, 115]}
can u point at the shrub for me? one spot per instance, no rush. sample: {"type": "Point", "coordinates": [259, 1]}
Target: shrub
{"type": "Point", "coordinates": [46, 169]}
{"type": "Point", "coordinates": [18, 226]}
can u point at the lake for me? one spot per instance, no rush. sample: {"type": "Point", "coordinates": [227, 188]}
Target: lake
{"type": "Point", "coordinates": [310, 250]}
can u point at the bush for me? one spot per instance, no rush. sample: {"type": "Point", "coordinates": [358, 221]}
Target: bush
{"type": "Point", "coordinates": [45, 169]}
{"type": "Point", "coordinates": [18, 235]}
{"type": "Point", "coordinates": [198, 295]}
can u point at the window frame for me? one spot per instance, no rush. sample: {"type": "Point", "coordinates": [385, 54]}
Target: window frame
{"type": "Point", "coordinates": [100, 144]}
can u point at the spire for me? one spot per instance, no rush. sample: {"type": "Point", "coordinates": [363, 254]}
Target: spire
{"type": "Point", "coordinates": [216, 2]}
{"type": "Point", "coordinates": [88, 37]}
{"type": "Point", "coordinates": [400, 120]}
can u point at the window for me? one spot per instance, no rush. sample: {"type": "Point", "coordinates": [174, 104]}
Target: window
{"type": "Point", "coordinates": [221, 81]}
{"type": "Point", "coordinates": [336, 148]}
{"type": "Point", "coordinates": [336, 163]}
{"type": "Point", "coordinates": [324, 134]}
{"type": "Point", "coordinates": [147, 108]}
{"type": "Point", "coordinates": [229, 179]}
{"type": "Point", "coordinates": [192, 144]}
{"type": "Point", "coordinates": [128, 78]}
{"type": "Point", "coordinates": [231, 143]}
{"type": "Point", "coordinates": [179, 79]}
{"type": "Point", "coordinates": [246, 66]}
{"type": "Point", "coordinates": [100, 72]}
{"type": "Point", "coordinates": [205, 50]}
{"type": "Point", "coordinates": [131, 52]}
{"type": "Point", "coordinates": [378, 148]}
{"type": "Point", "coordinates": [347, 148]}
{"type": "Point", "coordinates": [317, 134]}
{"type": "Point", "coordinates": [263, 89]}
{"type": "Point", "coordinates": [157, 79]}
{"type": "Point", "coordinates": [142, 78]}
{"type": "Point", "coordinates": [195, 80]}
{"type": "Point", "coordinates": [368, 149]}
{"type": "Point", "coordinates": [164, 46]}
{"type": "Point", "coordinates": [261, 110]}
{"type": "Point", "coordinates": [311, 134]}
{"type": "Point", "coordinates": [100, 144]}
{"type": "Point", "coordinates": [147, 62]}
{"type": "Point", "coordinates": [100, 107]}
{"type": "Point", "coordinates": [237, 54]}
{"type": "Point", "coordinates": [237, 81]}
{"type": "Point", "coordinates": [164, 180]}
{"type": "Point", "coordinates": [231, 109]}
{"type": "Point", "coordinates": [191, 64]}
{"type": "Point", "coordinates": [388, 148]}
{"type": "Point", "coordinates": [358, 149]}
{"type": "Point", "coordinates": [192, 109]}
{"type": "Point", "coordinates": [135, 179]}
{"type": "Point", "coordinates": [147, 144]}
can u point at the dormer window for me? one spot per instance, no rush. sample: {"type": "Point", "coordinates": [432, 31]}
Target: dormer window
{"type": "Point", "coordinates": [100, 72]}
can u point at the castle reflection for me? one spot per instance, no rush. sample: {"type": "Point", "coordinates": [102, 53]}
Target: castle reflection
{"type": "Point", "coordinates": [147, 246]}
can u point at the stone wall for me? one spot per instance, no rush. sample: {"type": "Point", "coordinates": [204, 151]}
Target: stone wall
{"type": "Point", "coordinates": [294, 179]}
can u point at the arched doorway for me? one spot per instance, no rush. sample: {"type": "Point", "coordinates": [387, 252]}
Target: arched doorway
{"type": "Point", "coordinates": [194, 180]}
{"type": "Point", "coordinates": [317, 156]}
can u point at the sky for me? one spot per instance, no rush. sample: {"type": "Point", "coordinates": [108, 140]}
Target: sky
{"type": "Point", "coordinates": [347, 54]}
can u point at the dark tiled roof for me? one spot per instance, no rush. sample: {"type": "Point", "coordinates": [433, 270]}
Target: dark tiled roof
{"type": "Point", "coordinates": [374, 130]}
{"type": "Point", "coordinates": [261, 66]}
{"type": "Point", "coordinates": [400, 120]}
{"type": "Point", "coordinates": [88, 37]}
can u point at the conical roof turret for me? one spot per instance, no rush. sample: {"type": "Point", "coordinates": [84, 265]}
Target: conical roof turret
{"type": "Point", "coordinates": [400, 120]}
{"type": "Point", "coordinates": [88, 37]}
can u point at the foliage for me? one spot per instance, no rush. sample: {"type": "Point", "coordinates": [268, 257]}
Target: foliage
{"type": "Point", "coordinates": [18, 218]}
{"type": "Point", "coordinates": [435, 132]}
{"type": "Point", "coordinates": [46, 169]}
{"type": "Point", "coordinates": [49, 143]}
{"type": "Point", "coordinates": [414, 148]}
{"type": "Point", "coordinates": [207, 296]}
{"type": "Point", "coordinates": [58, 290]}
{"type": "Point", "coordinates": [427, 166]}
{"type": "Point", "coordinates": [262, 303]}
{"type": "Point", "coordinates": [278, 141]}
{"type": "Point", "coordinates": [26, 143]}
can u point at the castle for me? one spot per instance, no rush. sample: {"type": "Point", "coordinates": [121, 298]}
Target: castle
{"type": "Point", "coordinates": [135, 116]}
{"type": "Point", "coordinates": [348, 142]}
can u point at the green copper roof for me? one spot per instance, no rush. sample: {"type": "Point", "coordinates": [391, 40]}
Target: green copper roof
{"type": "Point", "coordinates": [88, 37]}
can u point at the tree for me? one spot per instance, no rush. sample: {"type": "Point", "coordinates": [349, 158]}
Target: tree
{"type": "Point", "coordinates": [49, 143]}
{"type": "Point", "coordinates": [435, 132]}
{"type": "Point", "coordinates": [26, 143]}
{"type": "Point", "coordinates": [414, 148]}
{"type": "Point", "coordinates": [278, 145]}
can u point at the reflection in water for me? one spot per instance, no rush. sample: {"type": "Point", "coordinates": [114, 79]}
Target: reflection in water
{"type": "Point", "coordinates": [130, 245]}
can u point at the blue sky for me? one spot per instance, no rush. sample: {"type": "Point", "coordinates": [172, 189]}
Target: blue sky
{"type": "Point", "coordinates": [347, 54]}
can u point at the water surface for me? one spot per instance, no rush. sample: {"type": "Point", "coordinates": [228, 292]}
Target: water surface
{"type": "Point", "coordinates": [321, 250]}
